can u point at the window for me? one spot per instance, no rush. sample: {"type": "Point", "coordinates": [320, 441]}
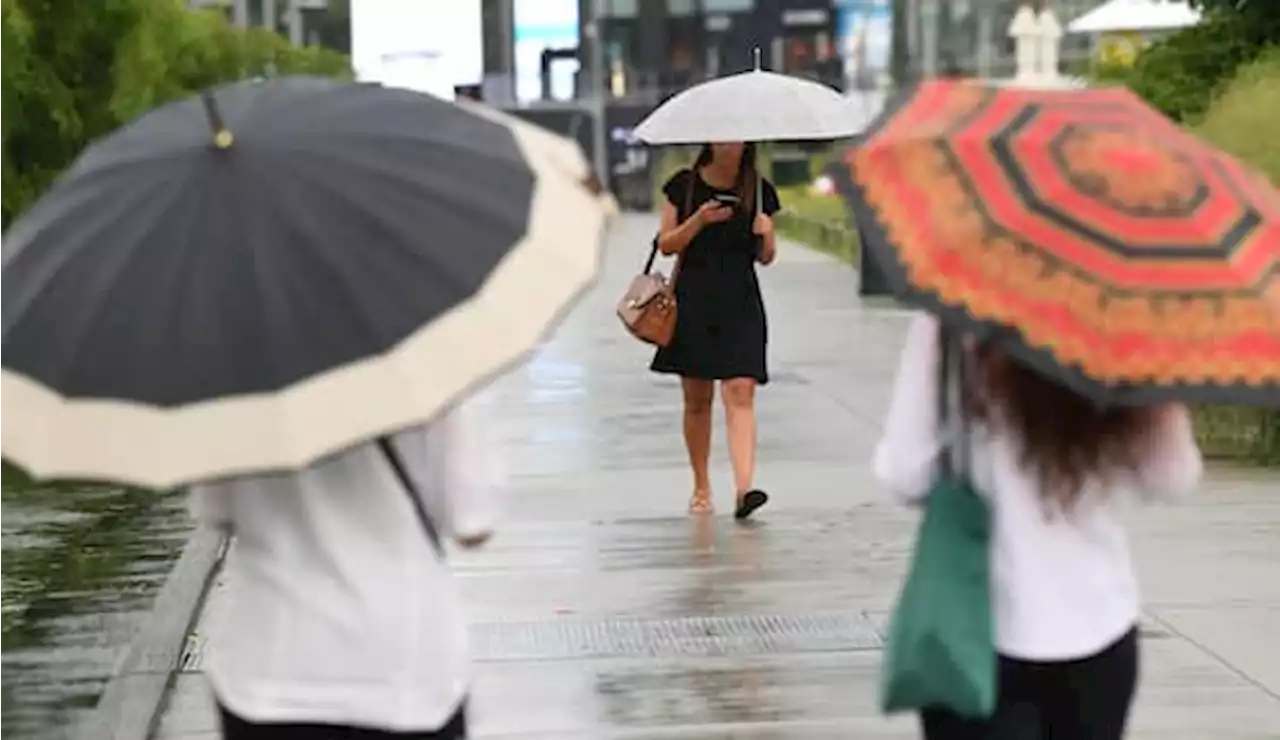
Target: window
{"type": "Point", "coordinates": [728, 6]}
{"type": "Point", "coordinates": [617, 8]}
{"type": "Point", "coordinates": [681, 7]}
{"type": "Point", "coordinates": [621, 54]}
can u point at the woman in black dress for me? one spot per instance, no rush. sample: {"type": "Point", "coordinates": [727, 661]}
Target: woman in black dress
{"type": "Point", "coordinates": [710, 219]}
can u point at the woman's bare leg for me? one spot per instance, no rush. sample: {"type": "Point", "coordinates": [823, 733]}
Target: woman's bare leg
{"type": "Point", "coordinates": [739, 395]}
{"type": "Point", "coordinates": [698, 398]}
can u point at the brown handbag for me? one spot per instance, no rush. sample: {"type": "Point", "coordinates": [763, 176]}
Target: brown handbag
{"type": "Point", "coordinates": [648, 308]}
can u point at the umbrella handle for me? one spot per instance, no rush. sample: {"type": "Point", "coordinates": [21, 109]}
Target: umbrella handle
{"type": "Point", "coordinates": [222, 136]}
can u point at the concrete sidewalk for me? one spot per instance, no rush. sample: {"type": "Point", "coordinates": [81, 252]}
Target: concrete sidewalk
{"type": "Point", "coordinates": [603, 611]}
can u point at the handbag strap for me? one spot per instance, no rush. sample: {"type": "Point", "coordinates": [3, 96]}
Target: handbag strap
{"type": "Point", "coordinates": [688, 210]}
{"type": "Point", "coordinates": [406, 484]}
{"type": "Point", "coordinates": [955, 459]}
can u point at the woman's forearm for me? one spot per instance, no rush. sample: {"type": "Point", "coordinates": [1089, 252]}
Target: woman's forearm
{"type": "Point", "coordinates": [673, 241]}
{"type": "Point", "coordinates": [768, 248]}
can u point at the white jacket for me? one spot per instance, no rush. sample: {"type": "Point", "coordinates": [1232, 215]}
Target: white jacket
{"type": "Point", "coordinates": [337, 609]}
{"type": "Point", "coordinates": [1063, 586]}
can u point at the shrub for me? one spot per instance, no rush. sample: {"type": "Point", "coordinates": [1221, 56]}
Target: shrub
{"type": "Point", "coordinates": [1180, 74]}
{"type": "Point", "coordinates": [1244, 120]}
{"type": "Point", "coordinates": [74, 71]}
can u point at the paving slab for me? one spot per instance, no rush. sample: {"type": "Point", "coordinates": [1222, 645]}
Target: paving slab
{"type": "Point", "coordinates": [603, 611]}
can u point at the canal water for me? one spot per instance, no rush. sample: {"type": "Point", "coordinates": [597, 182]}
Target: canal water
{"type": "Point", "coordinates": [81, 565]}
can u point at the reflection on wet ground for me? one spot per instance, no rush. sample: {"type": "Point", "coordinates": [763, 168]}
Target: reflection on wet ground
{"type": "Point", "coordinates": [603, 611]}
{"type": "Point", "coordinates": [81, 567]}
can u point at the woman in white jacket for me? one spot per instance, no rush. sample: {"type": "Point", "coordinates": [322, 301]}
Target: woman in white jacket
{"type": "Point", "coordinates": [1055, 470]}
{"type": "Point", "coordinates": [341, 619]}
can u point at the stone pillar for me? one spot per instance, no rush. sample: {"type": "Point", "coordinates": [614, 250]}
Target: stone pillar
{"type": "Point", "coordinates": [293, 16]}
{"type": "Point", "coordinates": [270, 16]}
{"type": "Point", "coordinates": [1025, 34]}
{"type": "Point", "coordinates": [1037, 36]}
{"type": "Point", "coordinates": [651, 17]}
{"type": "Point", "coordinates": [1050, 33]}
{"type": "Point", "coordinates": [497, 24]}
{"type": "Point", "coordinates": [986, 44]}
{"type": "Point", "coordinates": [930, 38]}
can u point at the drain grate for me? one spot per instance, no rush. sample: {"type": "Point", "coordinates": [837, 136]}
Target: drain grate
{"type": "Point", "coordinates": [569, 639]}
{"type": "Point", "coordinates": [687, 636]}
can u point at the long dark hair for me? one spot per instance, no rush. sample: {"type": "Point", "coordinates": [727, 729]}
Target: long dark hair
{"type": "Point", "coordinates": [745, 183]}
{"type": "Point", "coordinates": [1065, 438]}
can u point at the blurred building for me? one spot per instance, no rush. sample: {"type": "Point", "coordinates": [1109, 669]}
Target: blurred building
{"type": "Point", "coordinates": [302, 21]}
{"type": "Point", "coordinates": [653, 48]}
{"type": "Point", "coordinates": [971, 37]}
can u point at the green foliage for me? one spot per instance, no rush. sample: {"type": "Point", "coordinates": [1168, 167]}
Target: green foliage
{"type": "Point", "coordinates": [15, 41]}
{"type": "Point", "coordinates": [1245, 118]}
{"type": "Point", "coordinates": [1180, 74]}
{"type": "Point", "coordinates": [74, 71]}
{"type": "Point", "coordinates": [1261, 18]}
{"type": "Point", "coordinates": [1103, 72]}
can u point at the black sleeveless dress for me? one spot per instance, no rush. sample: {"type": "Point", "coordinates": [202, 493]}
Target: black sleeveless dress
{"type": "Point", "coordinates": [721, 328]}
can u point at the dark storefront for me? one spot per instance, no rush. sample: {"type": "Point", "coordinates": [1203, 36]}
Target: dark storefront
{"type": "Point", "coordinates": [651, 50]}
{"type": "Point", "coordinates": [654, 48]}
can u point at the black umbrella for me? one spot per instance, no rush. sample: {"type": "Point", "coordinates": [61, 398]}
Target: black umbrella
{"type": "Point", "coordinates": [272, 272]}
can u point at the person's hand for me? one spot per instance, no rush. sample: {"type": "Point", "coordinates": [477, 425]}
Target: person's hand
{"type": "Point", "coordinates": [713, 212]}
{"type": "Point", "coordinates": [763, 225]}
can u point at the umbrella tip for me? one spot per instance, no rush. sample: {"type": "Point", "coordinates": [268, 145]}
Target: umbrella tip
{"type": "Point", "coordinates": [222, 136]}
{"type": "Point", "coordinates": [756, 54]}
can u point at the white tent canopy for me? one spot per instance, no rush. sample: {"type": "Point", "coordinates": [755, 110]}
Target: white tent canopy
{"type": "Point", "coordinates": [1136, 15]}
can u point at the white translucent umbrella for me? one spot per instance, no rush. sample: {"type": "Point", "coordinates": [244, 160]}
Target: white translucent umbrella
{"type": "Point", "coordinates": [1136, 15]}
{"type": "Point", "coordinates": [751, 106]}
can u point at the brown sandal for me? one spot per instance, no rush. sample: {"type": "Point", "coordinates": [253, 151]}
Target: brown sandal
{"type": "Point", "coordinates": [700, 503]}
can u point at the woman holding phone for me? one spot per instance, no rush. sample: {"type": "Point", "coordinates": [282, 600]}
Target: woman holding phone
{"type": "Point", "coordinates": [713, 222]}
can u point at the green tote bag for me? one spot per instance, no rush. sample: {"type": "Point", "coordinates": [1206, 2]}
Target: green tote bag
{"type": "Point", "coordinates": [941, 644]}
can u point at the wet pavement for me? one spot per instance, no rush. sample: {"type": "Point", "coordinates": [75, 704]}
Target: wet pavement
{"type": "Point", "coordinates": [601, 610]}
{"type": "Point", "coordinates": [82, 565]}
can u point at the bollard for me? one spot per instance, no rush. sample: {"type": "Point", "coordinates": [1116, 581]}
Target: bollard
{"type": "Point", "coordinates": [871, 279]}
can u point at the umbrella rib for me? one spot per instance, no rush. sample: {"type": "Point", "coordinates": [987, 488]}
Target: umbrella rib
{"type": "Point", "coordinates": [33, 287]}
{"type": "Point", "coordinates": [109, 286]}
{"type": "Point", "coordinates": [367, 165]}
{"type": "Point", "coordinates": [473, 207]}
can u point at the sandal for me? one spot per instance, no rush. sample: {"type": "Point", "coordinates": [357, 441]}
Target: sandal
{"type": "Point", "coordinates": [700, 503]}
{"type": "Point", "coordinates": [749, 502]}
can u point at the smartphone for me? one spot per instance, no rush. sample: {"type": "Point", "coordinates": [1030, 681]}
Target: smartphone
{"type": "Point", "coordinates": [727, 199]}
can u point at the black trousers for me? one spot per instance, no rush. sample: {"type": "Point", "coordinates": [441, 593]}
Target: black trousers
{"type": "Point", "coordinates": [1085, 699]}
{"type": "Point", "coordinates": [237, 728]}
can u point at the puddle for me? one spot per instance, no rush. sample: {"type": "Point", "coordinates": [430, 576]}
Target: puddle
{"type": "Point", "coordinates": [81, 567]}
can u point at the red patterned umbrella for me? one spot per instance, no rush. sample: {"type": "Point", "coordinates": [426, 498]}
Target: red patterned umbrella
{"type": "Point", "coordinates": [1084, 232]}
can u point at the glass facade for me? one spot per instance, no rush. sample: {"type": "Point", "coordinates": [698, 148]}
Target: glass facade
{"type": "Point", "coordinates": [655, 47]}
{"type": "Point", "coordinates": [971, 37]}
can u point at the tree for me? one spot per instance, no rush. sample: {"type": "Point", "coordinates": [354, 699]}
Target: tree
{"type": "Point", "coordinates": [74, 71]}
{"type": "Point", "coordinates": [15, 45]}
{"type": "Point", "coordinates": [1261, 18]}
{"type": "Point", "coordinates": [59, 81]}
{"type": "Point", "coordinates": [1180, 74]}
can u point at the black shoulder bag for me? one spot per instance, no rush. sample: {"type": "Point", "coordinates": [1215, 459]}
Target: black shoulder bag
{"type": "Point", "coordinates": [406, 484]}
